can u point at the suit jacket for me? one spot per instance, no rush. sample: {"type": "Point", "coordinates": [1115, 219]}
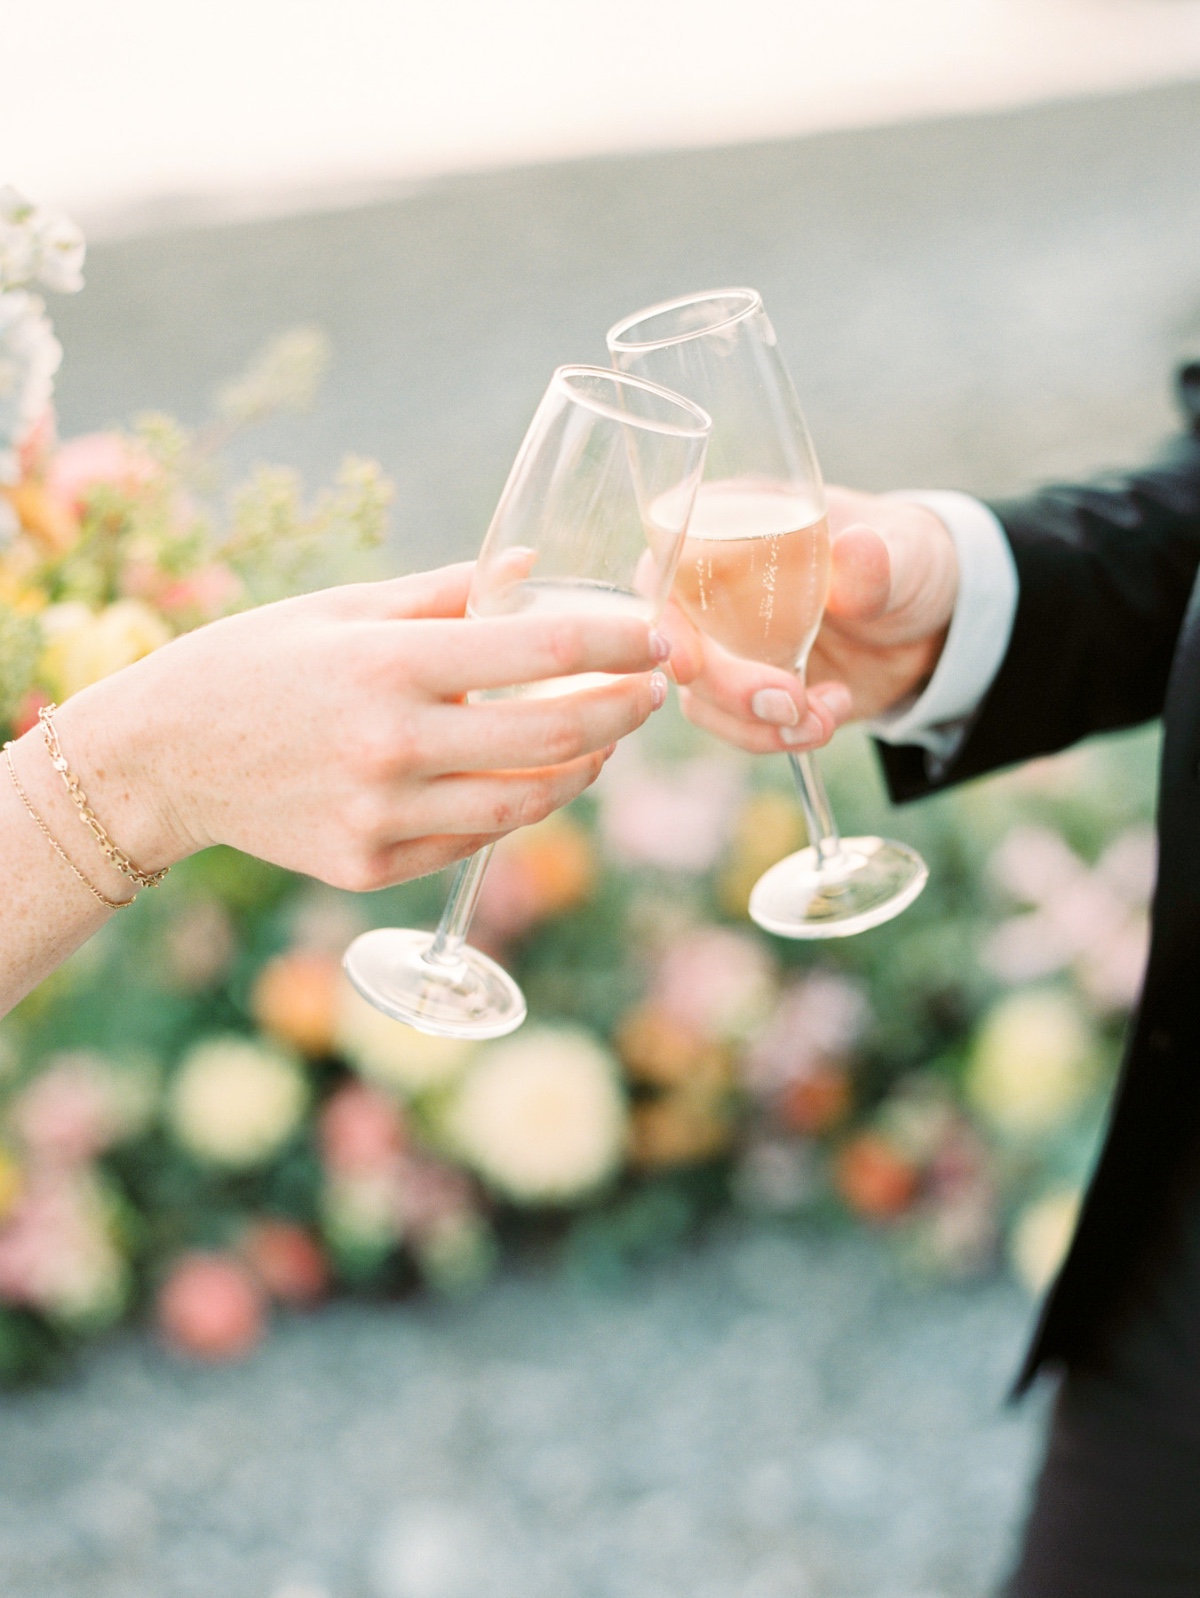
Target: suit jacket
{"type": "Point", "coordinates": [1106, 635]}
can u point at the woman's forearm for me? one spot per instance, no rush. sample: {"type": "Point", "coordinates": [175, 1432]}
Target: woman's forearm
{"type": "Point", "coordinates": [329, 734]}
{"type": "Point", "coordinates": [48, 912]}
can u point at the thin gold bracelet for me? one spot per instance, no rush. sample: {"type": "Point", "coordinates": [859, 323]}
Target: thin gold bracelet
{"type": "Point", "coordinates": [115, 856]}
{"type": "Point", "coordinates": [109, 904]}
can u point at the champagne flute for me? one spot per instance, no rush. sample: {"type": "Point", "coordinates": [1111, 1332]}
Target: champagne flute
{"type": "Point", "coordinates": [754, 575]}
{"type": "Point", "coordinates": [591, 522]}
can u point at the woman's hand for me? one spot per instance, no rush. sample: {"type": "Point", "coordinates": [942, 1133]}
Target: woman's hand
{"type": "Point", "coordinates": [892, 592]}
{"type": "Point", "coordinates": [329, 734]}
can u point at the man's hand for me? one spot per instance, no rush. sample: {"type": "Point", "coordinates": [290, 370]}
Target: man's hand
{"type": "Point", "coordinates": [892, 593]}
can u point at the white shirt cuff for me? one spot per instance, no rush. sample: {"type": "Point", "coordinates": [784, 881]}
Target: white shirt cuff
{"type": "Point", "coordinates": [979, 629]}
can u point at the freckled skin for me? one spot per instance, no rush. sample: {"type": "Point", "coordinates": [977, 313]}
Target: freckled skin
{"type": "Point", "coordinates": [271, 732]}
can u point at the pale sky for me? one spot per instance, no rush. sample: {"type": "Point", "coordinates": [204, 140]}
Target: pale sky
{"type": "Point", "coordinates": [104, 103]}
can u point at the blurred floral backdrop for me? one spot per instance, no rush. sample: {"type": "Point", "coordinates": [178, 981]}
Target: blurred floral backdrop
{"type": "Point", "coordinates": [201, 1124]}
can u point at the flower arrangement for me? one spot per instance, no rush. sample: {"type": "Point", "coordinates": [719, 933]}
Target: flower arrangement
{"type": "Point", "coordinates": [202, 1125]}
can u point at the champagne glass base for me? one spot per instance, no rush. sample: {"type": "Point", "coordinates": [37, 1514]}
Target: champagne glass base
{"type": "Point", "coordinates": [866, 883]}
{"type": "Point", "coordinates": [469, 996]}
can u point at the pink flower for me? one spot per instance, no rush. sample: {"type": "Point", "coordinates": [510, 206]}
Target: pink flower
{"type": "Point", "coordinates": [678, 818]}
{"type": "Point", "coordinates": [430, 1195]}
{"type": "Point", "coordinates": [362, 1131]}
{"type": "Point", "coordinates": [819, 1019]}
{"type": "Point", "coordinates": [68, 1114]}
{"type": "Point", "coordinates": [211, 1307]}
{"type": "Point", "coordinates": [211, 591]}
{"type": "Point", "coordinates": [714, 980]}
{"type": "Point", "coordinates": [56, 1250]}
{"type": "Point", "coordinates": [1034, 864]}
{"type": "Point", "coordinates": [1111, 974]}
{"type": "Point", "coordinates": [96, 459]}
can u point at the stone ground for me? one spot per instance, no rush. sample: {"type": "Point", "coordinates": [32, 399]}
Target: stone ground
{"type": "Point", "coordinates": [771, 1417]}
{"type": "Point", "coordinates": [978, 302]}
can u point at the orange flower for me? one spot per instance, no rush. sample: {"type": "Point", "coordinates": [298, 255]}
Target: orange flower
{"type": "Point", "coordinates": [875, 1180]}
{"type": "Point", "coordinates": [295, 999]}
{"type": "Point", "coordinates": [286, 1261]}
{"type": "Point", "coordinates": [47, 516]}
{"type": "Point", "coordinates": [678, 1129]}
{"type": "Point", "coordinates": [538, 872]}
{"type": "Point", "coordinates": [816, 1102]}
{"type": "Point", "coordinates": [660, 1050]}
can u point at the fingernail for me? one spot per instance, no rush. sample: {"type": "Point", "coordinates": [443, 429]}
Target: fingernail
{"type": "Point", "coordinates": [810, 731]}
{"type": "Point", "coordinates": [658, 689]}
{"type": "Point", "coordinates": [838, 698]}
{"type": "Point", "coordinates": [775, 705]}
{"type": "Point", "coordinates": [660, 646]}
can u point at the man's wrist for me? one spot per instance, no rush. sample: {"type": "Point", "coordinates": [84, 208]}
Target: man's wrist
{"type": "Point", "coordinates": [977, 637]}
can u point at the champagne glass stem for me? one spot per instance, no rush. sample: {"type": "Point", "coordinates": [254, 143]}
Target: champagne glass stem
{"type": "Point", "coordinates": [823, 834]}
{"type": "Point", "coordinates": [456, 919]}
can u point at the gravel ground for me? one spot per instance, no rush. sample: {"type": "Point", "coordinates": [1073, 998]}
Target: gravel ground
{"type": "Point", "coordinates": [977, 303]}
{"type": "Point", "coordinates": [771, 1417]}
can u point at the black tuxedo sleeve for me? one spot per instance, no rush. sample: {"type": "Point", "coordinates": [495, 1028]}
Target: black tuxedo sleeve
{"type": "Point", "coordinates": [1105, 571]}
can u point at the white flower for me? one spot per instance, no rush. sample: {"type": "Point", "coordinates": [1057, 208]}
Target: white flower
{"type": "Point", "coordinates": [392, 1054]}
{"type": "Point", "coordinates": [236, 1102]}
{"type": "Point", "coordinates": [1042, 1236]}
{"type": "Point", "coordinates": [60, 253]}
{"type": "Point", "coordinates": [542, 1117]}
{"type": "Point", "coordinates": [38, 246]}
{"type": "Point", "coordinates": [29, 357]}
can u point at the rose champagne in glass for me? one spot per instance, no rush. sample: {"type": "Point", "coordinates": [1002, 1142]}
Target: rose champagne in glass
{"type": "Point", "coordinates": [754, 575]}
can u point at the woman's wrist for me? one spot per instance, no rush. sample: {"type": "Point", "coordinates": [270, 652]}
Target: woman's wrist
{"type": "Point", "coordinates": [120, 741]}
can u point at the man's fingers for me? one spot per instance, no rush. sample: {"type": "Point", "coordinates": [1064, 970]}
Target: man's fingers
{"type": "Point", "coordinates": [451, 658]}
{"type": "Point", "coordinates": [861, 581]}
{"type": "Point", "coordinates": [749, 690]}
{"type": "Point", "coordinates": [522, 734]}
{"type": "Point", "coordinates": [687, 643]}
{"type": "Point", "coordinates": [756, 736]}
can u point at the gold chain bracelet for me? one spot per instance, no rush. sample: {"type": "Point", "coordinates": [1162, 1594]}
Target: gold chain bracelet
{"type": "Point", "coordinates": [109, 904]}
{"type": "Point", "coordinates": [117, 857]}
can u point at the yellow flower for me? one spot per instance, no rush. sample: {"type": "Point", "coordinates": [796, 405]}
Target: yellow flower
{"type": "Point", "coordinates": [11, 1183]}
{"type": "Point", "coordinates": [83, 646]}
{"type": "Point", "coordinates": [392, 1054]}
{"type": "Point", "coordinates": [1033, 1064]}
{"type": "Point", "coordinates": [541, 1117]}
{"type": "Point", "coordinates": [18, 595]}
{"type": "Point", "coordinates": [235, 1102]}
{"type": "Point", "coordinates": [1042, 1236]}
{"type": "Point", "coordinates": [769, 827]}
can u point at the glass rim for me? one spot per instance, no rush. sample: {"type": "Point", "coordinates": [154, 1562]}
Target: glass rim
{"type": "Point", "coordinates": [747, 301]}
{"type": "Point", "coordinates": [701, 423]}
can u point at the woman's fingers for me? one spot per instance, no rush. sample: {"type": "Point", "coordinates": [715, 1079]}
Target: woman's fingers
{"type": "Point", "coordinates": [493, 802]}
{"type": "Point", "coordinates": [448, 659]}
{"type": "Point", "coordinates": [419, 857]}
{"type": "Point", "coordinates": [440, 593]}
{"type": "Point", "coordinates": [523, 734]}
